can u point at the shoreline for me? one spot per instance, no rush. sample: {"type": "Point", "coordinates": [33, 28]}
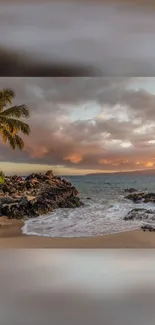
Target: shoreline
{"type": "Point", "coordinates": [11, 236]}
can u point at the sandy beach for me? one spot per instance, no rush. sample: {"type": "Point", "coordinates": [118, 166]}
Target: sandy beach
{"type": "Point", "coordinates": [11, 237]}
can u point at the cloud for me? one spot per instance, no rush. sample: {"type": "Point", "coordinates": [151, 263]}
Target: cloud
{"type": "Point", "coordinates": [119, 136]}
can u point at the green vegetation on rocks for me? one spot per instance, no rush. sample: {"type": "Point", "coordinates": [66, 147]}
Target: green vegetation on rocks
{"type": "Point", "coordinates": [2, 177]}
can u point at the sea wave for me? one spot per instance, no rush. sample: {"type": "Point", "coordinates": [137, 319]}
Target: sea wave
{"type": "Point", "coordinates": [93, 219]}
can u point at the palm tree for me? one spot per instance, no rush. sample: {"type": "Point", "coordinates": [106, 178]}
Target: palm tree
{"type": "Point", "coordinates": [10, 120]}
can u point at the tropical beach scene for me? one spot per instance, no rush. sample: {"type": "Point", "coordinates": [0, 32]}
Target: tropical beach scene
{"type": "Point", "coordinates": [77, 163]}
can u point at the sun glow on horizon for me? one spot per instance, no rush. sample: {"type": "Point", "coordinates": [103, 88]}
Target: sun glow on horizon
{"type": "Point", "coordinates": [25, 169]}
{"type": "Point", "coordinates": [150, 164]}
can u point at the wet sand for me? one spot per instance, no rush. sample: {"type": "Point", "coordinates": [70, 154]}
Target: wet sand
{"type": "Point", "coordinates": [11, 237]}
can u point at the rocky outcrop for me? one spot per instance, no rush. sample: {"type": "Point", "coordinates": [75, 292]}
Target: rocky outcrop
{"type": "Point", "coordinates": [36, 195]}
{"type": "Point", "coordinates": [130, 190]}
{"type": "Point", "coordinates": [148, 227]}
{"type": "Point", "coordinates": [141, 197]}
{"type": "Point", "coordinates": [140, 214]}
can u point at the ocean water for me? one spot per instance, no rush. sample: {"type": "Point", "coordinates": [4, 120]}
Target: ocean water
{"type": "Point", "coordinates": [102, 213]}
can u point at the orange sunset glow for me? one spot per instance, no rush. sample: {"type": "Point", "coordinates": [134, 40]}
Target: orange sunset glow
{"type": "Point", "coordinates": [75, 158]}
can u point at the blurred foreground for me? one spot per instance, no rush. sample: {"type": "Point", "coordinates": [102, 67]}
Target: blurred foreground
{"type": "Point", "coordinates": [71, 38]}
{"type": "Point", "coordinates": [77, 287]}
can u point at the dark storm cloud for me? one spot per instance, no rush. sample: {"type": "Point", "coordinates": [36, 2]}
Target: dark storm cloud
{"type": "Point", "coordinates": [141, 102]}
{"type": "Point", "coordinates": [68, 90]}
{"type": "Point", "coordinates": [50, 93]}
{"type": "Point", "coordinates": [105, 91]}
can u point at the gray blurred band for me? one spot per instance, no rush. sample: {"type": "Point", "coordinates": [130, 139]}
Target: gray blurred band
{"type": "Point", "coordinates": [77, 39]}
{"type": "Point", "coordinates": [77, 287]}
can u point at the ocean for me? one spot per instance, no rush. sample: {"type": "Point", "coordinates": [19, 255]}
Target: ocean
{"type": "Point", "coordinates": [104, 208]}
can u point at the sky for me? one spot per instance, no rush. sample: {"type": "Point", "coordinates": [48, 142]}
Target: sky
{"type": "Point", "coordinates": [84, 125]}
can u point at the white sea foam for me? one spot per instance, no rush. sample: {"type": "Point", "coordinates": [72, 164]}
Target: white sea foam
{"type": "Point", "coordinates": [95, 218]}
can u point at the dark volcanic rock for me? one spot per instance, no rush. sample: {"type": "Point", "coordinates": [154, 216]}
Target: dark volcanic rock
{"type": "Point", "coordinates": [150, 197]}
{"type": "Point", "coordinates": [23, 201]}
{"type": "Point", "coordinates": [6, 200]}
{"type": "Point", "coordinates": [130, 190]}
{"type": "Point", "coordinates": [49, 173]}
{"type": "Point", "coordinates": [141, 197]}
{"type": "Point", "coordinates": [140, 214]}
{"type": "Point", "coordinates": [148, 227]}
{"type": "Point", "coordinates": [50, 192]}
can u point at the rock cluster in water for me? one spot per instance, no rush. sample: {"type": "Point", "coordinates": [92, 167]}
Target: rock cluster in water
{"type": "Point", "coordinates": [37, 194]}
{"type": "Point", "coordinates": [148, 227]}
{"type": "Point", "coordinates": [140, 197]}
{"type": "Point", "coordinates": [130, 190]}
{"type": "Point", "coordinates": [140, 214]}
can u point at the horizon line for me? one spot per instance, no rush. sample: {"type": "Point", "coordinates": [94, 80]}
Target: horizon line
{"type": "Point", "coordinates": [88, 174]}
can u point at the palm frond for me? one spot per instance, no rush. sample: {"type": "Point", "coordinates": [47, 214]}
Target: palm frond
{"type": "Point", "coordinates": [16, 111]}
{"type": "Point", "coordinates": [14, 125]}
{"type": "Point", "coordinates": [6, 97]}
{"type": "Point", "coordinates": [25, 128]}
{"type": "Point", "coordinates": [7, 137]}
{"type": "Point", "coordinates": [10, 123]}
{"type": "Point", "coordinates": [19, 142]}
{"type": "Point", "coordinates": [15, 141]}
